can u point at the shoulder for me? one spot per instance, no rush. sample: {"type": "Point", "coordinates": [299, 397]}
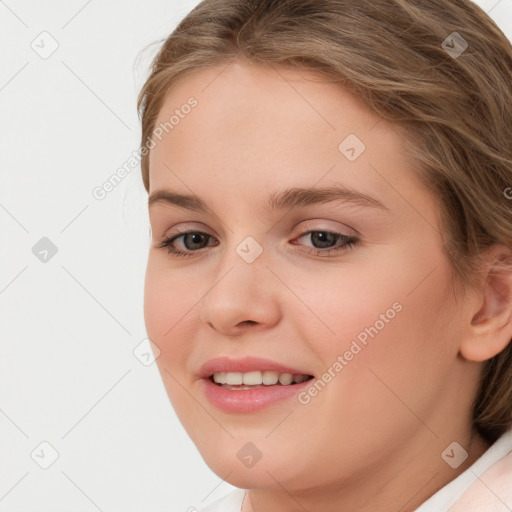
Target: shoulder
{"type": "Point", "coordinates": [232, 502]}
{"type": "Point", "coordinates": [484, 487]}
{"type": "Point", "coordinates": [491, 491]}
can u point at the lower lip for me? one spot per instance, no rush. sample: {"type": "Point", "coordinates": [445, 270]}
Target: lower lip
{"type": "Point", "coordinates": [249, 400]}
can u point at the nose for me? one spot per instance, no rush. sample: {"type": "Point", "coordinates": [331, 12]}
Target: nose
{"type": "Point", "coordinates": [242, 296]}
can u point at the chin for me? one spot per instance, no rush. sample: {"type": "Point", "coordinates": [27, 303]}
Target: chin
{"type": "Point", "coordinates": [246, 478]}
{"type": "Point", "coordinates": [228, 464]}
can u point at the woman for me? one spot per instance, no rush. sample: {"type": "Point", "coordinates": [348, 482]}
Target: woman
{"type": "Point", "coordinates": [329, 282]}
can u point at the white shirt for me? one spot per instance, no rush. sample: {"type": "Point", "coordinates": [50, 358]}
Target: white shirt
{"type": "Point", "coordinates": [486, 486]}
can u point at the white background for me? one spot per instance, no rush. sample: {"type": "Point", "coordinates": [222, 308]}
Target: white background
{"type": "Point", "coordinates": [69, 326]}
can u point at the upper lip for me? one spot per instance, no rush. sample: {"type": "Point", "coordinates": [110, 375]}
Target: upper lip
{"type": "Point", "coordinates": [243, 365]}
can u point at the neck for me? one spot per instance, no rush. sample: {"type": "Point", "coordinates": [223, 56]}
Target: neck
{"type": "Point", "coordinates": [408, 479]}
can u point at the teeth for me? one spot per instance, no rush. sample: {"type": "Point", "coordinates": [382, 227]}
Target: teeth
{"type": "Point", "coordinates": [270, 378]}
{"type": "Point", "coordinates": [233, 379]}
{"type": "Point", "coordinates": [257, 378]}
{"type": "Point", "coordinates": [285, 379]}
{"type": "Point", "coordinates": [219, 377]}
{"type": "Point", "coordinates": [252, 378]}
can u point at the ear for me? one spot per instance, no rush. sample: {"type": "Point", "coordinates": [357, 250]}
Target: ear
{"type": "Point", "coordinates": [490, 328]}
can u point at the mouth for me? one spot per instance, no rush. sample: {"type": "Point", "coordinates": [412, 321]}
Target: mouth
{"type": "Point", "coordinates": [257, 379]}
{"type": "Point", "coordinates": [250, 398]}
{"type": "Point", "coordinates": [250, 384]}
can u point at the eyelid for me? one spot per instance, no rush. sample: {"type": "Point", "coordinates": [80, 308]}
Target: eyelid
{"type": "Point", "coordinates": [318, 226]}
{"type": "Point", "coordinates": [186, 227]}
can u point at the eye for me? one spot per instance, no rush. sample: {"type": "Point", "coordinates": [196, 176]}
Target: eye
{"type": "Point", "coordinates": [192, 239]}
{"type": "Point", "coordinates": [327, 238]}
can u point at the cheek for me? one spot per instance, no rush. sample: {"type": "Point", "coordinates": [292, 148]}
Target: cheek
{"type": "Point", "coordinates": [157, 303]}
{"type": "Point", "coordinates": [396, 352]}
{"type": "Point", "coordinates": [170, 311]}
{"type": "Point", "coordinates": [405, 348]}
{"type": "Point", "coordinates": [169, 318]}
{"type": "Point", "coordinates": [342, 305]}
{"type": "Point", "coordinates": [388, 319]}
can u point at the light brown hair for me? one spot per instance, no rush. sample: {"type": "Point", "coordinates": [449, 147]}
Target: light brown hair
{"type": "Point", "coordinates": [456, 109]}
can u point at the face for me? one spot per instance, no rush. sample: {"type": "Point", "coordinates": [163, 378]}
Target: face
{"type": "Point", "coordinates": [354, 293]}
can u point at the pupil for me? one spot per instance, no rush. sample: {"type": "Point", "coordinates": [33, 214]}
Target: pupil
{"type": "Point", "coordinates": [193, 236]}
{"type": "Point", "coordinates": [321, 236]}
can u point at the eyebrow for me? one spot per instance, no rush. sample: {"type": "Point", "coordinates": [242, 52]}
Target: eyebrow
{"type": "Point", "coordinates": [290, 198]}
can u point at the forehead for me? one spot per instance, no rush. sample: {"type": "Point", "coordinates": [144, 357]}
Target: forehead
{"type": "Point", "coordinates": [265, 128]}
{"type": "Point", "coordinates": [240, 100]}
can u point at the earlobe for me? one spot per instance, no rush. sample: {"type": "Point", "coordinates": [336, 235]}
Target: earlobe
{"type": "Point", "coordinates": [490, 328]}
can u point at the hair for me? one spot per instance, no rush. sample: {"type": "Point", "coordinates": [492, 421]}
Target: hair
{"type": "Point", "coordinates": [455, 109]}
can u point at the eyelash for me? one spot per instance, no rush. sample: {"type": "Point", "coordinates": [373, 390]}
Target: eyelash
{"type": "Point", "coordinates": [349, 243]}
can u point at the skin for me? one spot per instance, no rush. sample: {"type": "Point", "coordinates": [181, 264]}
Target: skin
{"type": "Point", "coordinates": [372, 438]}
